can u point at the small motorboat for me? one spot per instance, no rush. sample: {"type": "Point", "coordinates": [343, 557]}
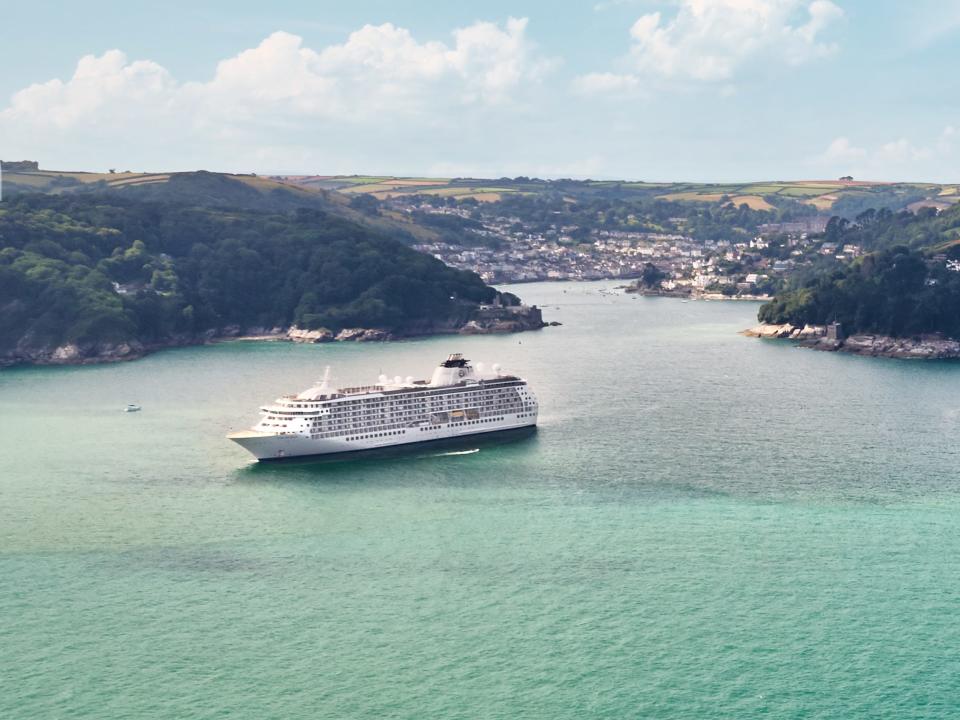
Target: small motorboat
{"type": "Point", "coordinates": [132, 408]}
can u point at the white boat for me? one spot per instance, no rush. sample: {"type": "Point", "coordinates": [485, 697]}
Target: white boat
{"type": "Point", "coordinates": [132, 408]}
{"type": "Point", "coordinates": [459, 400]}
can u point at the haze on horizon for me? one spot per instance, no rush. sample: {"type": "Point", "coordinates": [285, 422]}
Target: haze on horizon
{"type": "Point", "coordinates": [698, 90]}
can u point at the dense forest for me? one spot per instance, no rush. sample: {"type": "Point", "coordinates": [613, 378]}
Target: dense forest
{"type": "Point", "coordinates": [908, 285]}
{"type": "Point", "coordinates": [89, 268]}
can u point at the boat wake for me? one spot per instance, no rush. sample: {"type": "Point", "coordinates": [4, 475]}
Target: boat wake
{"type": "Point", "coordinates": [458, 452]}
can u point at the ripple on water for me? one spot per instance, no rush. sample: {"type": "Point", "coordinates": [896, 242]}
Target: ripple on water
{"type": "Point", "coordinates": [704, 526]}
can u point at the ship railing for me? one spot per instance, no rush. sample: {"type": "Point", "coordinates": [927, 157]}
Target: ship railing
{"type": "Point", "coordinates": [361, 389]}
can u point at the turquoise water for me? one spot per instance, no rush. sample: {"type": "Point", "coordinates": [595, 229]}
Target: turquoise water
{"type": "Point", "coordinates": [704, 526]}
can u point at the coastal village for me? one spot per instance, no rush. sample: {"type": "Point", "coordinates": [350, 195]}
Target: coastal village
{"type": "Point", "coordinates": [508, 251]}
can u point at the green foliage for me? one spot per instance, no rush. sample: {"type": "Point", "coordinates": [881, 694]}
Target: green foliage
{"type": "Point", "coordinates": [880, 229]}
{"type": "Point", "coordinates": [898, 292]}
{"type": "Point", "coordinates": [454, 229]}
{"type": "Point", "coordinates": [904, 287]}
{"type": "Point", "coordinates": [365, 203]}
{"type": "Point", "coordinates": [105, 268]}
{"type": "Point", "coordinates": [852, 203]}
{"type": "Point", "coordinates": [652, 276]}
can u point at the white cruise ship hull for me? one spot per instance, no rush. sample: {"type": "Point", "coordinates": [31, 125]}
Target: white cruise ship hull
{"type": "Point", "coordinates": [458, 401]}
{"type": "Point", "coordinates": [268, 446]}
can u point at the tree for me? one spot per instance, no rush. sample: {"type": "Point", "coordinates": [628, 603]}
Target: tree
{"type": "Point", "coordinates": [652, 276]}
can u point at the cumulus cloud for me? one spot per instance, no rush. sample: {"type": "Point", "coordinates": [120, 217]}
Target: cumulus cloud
{"type": "Point", "coordinates": [896, 159]}
{"type": "Point", "coordinates": [379, 73]}
{"type": "Point", "coordinates": [108, 82]}
{"type": "Point", "coordinates": [841, 149]}
{"type": "Point", "coordinates": [709, 41]}
{"type": "Point", "coordinates": [902, 151]}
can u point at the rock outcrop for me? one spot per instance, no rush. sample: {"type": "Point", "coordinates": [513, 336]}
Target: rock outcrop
{"type": "Point", "coordinates": [927, 347]}
{"type": "Point", "coordinates": [27, 353]}
{"type": "Point", "coordinates": [924, 348]}
{"type": "Point", "coordinates": [496, 319]}
{"type": "Point", "coordinates": [363, 335]}
{"type": "Point", "coordinates": [483, 320]}
{"type": "Point", "coordinates": [786, 331]}
{"type": "Point", "coordinates": [309, 336]}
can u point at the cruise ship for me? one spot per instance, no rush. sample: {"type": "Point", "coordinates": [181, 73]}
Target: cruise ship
{"type": "Point", "coordinates": [458, 400]}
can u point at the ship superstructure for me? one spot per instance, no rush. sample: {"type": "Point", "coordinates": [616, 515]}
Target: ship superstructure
{"type": "Point", "coordinates": [458, 400]}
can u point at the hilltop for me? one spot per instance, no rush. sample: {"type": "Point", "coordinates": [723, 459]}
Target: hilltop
{"type": "Point", "coordinates": [845, 197]}
{"type": "Point", "coordinates": [209, 189]}
{"type": "Point", "coordinates": [736, 240]}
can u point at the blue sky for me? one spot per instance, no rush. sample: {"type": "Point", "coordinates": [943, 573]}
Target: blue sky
{"type": "Point", "coordinates": [703, 90]}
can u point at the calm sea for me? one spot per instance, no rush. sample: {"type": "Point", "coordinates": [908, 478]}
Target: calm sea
{"type": "Point", "coordinates": [705, 526]}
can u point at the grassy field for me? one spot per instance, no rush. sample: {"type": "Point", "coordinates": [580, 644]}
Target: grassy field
{"type": "Point", "coordinates": [57, 182]}
{"type": "Point", "coordinates": [390, 187]}
{"type": "Point", "coordinates": [754, 202]}
{"type": "Point", "coordinates": [821, 194]}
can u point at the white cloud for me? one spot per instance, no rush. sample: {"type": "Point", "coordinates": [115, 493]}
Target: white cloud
{"type": "Point", "coordinates": [842, 150]}
{"type": "Point", "coordinates": [380, 74]}
{"type": "Point", "coordinates": [927, 22]}
{"type": "Point", "coordinates": [105, 83]}
{"type": "Point", "coordinates": [897, 159]}
{"type": "Point", "coordinates": [901, 151]}
{"type": "Point", "coordinates": [709, 41]}
{"type": "Point", "coordinates": [604, 83]}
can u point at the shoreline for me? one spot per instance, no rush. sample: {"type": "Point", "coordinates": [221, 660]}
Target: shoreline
{"type": "Point", "coordinates": [501, 321]}
{"type": "Point", "coordinates": [815, 337]}
{"type": "Point", "coordinates": [690, 294]}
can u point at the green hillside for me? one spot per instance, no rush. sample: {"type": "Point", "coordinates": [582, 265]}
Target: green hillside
{"type": "Point", "coordinates": [908, 284]}
{"type": "Point", "coordinates": [208, 189]}
{"type": "Point", "coordinates": [90, 269]}
{"type": "Point", "coordinates": [841, 197]}
{"type": "Point", "coordinates": [334, 193]}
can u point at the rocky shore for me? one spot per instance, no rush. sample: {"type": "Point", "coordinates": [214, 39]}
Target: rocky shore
{"type": "Point", "coordinates": [485, 320]}
{"type": "Point", "coordinates": [688, 293]}
{"type": "Point", "coordinates": [816, 337]}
